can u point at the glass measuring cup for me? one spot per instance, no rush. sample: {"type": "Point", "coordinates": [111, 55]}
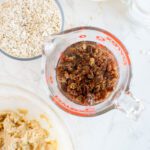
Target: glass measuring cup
{"type": "Point", "coordinates": [121, 98]}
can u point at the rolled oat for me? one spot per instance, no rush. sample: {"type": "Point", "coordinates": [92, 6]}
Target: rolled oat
{"type": "Point", "coordinates": [25, 23]}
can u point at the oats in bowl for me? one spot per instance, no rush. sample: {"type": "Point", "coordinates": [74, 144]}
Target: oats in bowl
{"type": "Point", "coordinates": [24, 24]}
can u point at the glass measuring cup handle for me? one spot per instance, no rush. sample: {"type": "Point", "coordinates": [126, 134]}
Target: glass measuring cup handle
{"type": "Point", "coordinates": [130, 105]}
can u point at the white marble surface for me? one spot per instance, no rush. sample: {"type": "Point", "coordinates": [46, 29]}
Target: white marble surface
{"type": "Point", "coordinates": [111, 131]}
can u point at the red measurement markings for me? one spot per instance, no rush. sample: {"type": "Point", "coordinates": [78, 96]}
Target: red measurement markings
{"type": "Point", "coordinates": [121, 49]}
{"type": "Point", "coordinates": [67, 108]}
{"type": "Point", "coordinates": [100, 38]}
{"type": "Point", "coordinates": [82, 36]}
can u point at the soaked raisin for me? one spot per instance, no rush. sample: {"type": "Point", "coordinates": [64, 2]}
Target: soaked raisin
{"type": "Point", "coordinates": [87, 73]}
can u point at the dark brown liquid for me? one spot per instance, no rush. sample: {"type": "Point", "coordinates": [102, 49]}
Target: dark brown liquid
{"type": "Point", "coordinates": [87, 73]}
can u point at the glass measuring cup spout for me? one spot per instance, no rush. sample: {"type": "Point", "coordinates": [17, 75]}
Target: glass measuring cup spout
{"type": "Point", "coordinates": [119, 99]}
{"type": "Point", "coordinates": [50, 44]}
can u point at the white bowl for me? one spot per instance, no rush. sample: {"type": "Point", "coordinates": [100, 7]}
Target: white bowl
{"type": "Point", "coordinates": [13, 98]}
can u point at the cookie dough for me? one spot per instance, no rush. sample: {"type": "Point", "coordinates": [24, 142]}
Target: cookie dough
{"type": "Point", "coordinates": [19, 133]}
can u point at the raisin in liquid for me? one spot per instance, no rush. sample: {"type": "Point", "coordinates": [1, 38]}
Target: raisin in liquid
{"type": "Point", "coordinates": [87, 73]}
